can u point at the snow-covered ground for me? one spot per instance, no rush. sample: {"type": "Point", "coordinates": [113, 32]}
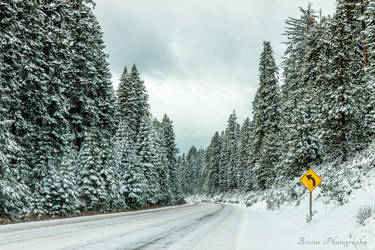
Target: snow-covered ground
{"type": "Point", "coordinates": [204, 226]}
{"type": "Point", "coordinates": [210, 225]}
{"type": "Point", "coordinates": [333, 226]}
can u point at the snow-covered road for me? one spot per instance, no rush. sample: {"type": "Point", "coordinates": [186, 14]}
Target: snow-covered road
{"type": "Point", "coordinates": [185, 227]}
{"type": "Point", "coordinates": [193, 226]}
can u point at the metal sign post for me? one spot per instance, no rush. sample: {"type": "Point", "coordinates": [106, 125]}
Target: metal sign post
{"type": "Point", "coordinates": [310, 219]}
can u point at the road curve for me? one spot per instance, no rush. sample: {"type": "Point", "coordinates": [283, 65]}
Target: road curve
{"type": "Point", "coordinates": [202, 226]}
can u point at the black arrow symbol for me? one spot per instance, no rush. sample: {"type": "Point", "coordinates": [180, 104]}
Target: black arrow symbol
{"type": "Point", "coordinates": [309, 177]}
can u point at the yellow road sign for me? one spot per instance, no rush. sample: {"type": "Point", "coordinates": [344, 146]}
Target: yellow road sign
{"type": "Point", "coordinates": [311, 180]}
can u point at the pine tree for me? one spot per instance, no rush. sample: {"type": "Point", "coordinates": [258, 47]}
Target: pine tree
{"type": "Point", "coordinates": [266, 119]}
{"type": "Point", "coordinates": [212, 162]}
{"type": "Point", "coordinates": [38, 121]}
{"type": "Point", "coordinates": [183, 173]}
{"type": "Point", "coordinates": [132, 100]}
{"type": "Point", "coordinates": [125, 160]}
{"type": "Point", "coordinates": [134, 181]}
{"type": "Point", "coordinates": [146, 156]}
{"type": "Point", "coordinates": [300, 135]}
{"type": "Point", "coordinates": [223, 163]}
{"type": "Point", "coordinates": [232, 134]}
{"type": "Point", "coordinates": [90, 93]}
{"type": "Point", "coordinates": [110, 174]}
{"type": "Point", "coordinates": [369, 18]}
{"type": "Point", "coordinates": [171, 157]}
{"type": "Point", "coordinates": [59, 189]}
{"type": "Point", "coordinates": [345, 94]}
{"type": "Point", "coordinates": [15, 196]}
{"type": "Point", "coordinates": [191, 174]}
{"type": "Point", "coordinates": [244, 172]}
{"type": "Point", "coordinates": [126, 100]}
{"type": "Point", "coordinates": [161, 162]}
{"type": "Point", "coordinates": [92, 186]}
{"type": "Point", "coordinates": [295, 132]}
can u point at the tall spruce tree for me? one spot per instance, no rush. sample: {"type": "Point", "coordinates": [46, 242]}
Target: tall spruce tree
{"type": "Point", "coordinates": [369, 18]}
{"type": "Point", "coordinates": [90, 91]}
{"type": "Point", "coordinates": [232, 134]}
{"type": "Point", "coordinates": [59, 189]}
{"type": "Point", "coordinates": [266, 119]}
{"type": "Point", "coordinates": [15, 196]}
{"type": "Point", "coordinates": [125, 160]}
{"type": "Point", "coordinates": [92, 185]}
{"type": "Point", "coordinates": [212, 163]}
{"type": "Point", "coordinates": [300, 133]}
{"type": "Point", "coordinates": [344, 99]}
{"type": "Point", "coordinates": [244, 172]}
{"type": "Point", "coordinates": [295, 122]}
{"type": "Point", "coordinates": [146, 159]}
{"type": "Point", "coordinates": [223, 163]}
{"type": "Point", "coordinates": [132, 100]}
{"type": "Point", "coordinates": [162, 164]}
{"type": "Point", "coordinates": [171, 157]}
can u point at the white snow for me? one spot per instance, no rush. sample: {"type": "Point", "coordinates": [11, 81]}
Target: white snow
{"type": "Point", "coordinates": [333, 226]}
{"type": "Point", "coordinates": [204, 226]}
{"type": "Point", "coordinates": [218, 225]}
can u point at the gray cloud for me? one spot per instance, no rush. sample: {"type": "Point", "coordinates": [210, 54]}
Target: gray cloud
{"type": "Point", "coordinates": [129, 41]}
{"type": "Point", "coordinates": [187, 48]}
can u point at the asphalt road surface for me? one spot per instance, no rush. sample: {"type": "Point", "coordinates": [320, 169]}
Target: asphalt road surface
{"type": "Point", "coordinates": [193, 226]}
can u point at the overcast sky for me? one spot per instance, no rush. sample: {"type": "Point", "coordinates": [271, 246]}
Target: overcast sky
{"type": "Point", "coordinates": [199, 58]}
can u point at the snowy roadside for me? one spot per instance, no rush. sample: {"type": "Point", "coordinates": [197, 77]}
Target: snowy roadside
{"type": "Point", "coordinates": [81, 219]}
{"type": "Point", "coordinates": [345, 190]}
{"type": "Point", "coordinates": [333, 226]}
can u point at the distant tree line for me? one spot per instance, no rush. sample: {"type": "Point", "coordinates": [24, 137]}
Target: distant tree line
{"type": "Point", "coordinates": [324, 110]}
{"type": "Point", "coordinates": [68, 142]}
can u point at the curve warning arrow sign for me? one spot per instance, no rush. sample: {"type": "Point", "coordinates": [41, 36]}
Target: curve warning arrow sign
{"type": "Point", "coordinates": [311, 180]}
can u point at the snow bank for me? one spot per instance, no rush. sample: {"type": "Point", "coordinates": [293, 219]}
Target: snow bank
{"type": "Point", "coordinates": [345, 189]}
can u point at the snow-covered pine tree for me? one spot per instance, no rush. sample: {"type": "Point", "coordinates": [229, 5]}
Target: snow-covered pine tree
{"type": "Point", "coordinates": [15, 196]}
{"type": "Point", "coordinates": [212, 163]}
{"type": "Point", "coordinates": [161, 163]}
{"type": "Point", "coordinates": [135, 184]}
{"type": "Point", "coordinates": [126, 102]}
{"type": "Point", "coordinates": [125, 158]}
{"type": "Point", "coordinates": [171, 157]}
{"type": "Point", "coordinates": [266, 119]}
{"type": "Point", "coordinates": [191, 175]}
{"type": "Point", "coordinates": [292, 118]}
{"type": "Point", "coordinates": [206, 172]}
{"type": "Point", "coordinates": [232, 134]}
{"type": "Point", "coordinates": [369, 18]}
{"type": "Point", "coordinates": [51, 128]}
{"type": "Point", "coordinates": [146, 158]}
{"type": "Point", "coordinates": [132, 100]}
{"type": "Point", "coordinates": [92, 186]}
{"type": "Point", "coordinates": [345, 96]}
{"type": "Point", "coordinates": [301, 147]}
{"type": "Point", "coordinates": [199, 167]}
{"type": "Point", "coordinates": [183, 172]}
{"type": "Point", "coordinates": [59, 188]}
{"type": "Point", "coordinates": [90, 92]}
{"type": "Point", "coordinates": [40, 118]}
{"type": "Point", "coordinates": [223, 163]}
{"type": "Point", "coordinates": [110, 174]}
{"type": "Point", "coordinates": [46, 42]}
{"type": "Point", "coordinates": [296, 31]}
{"type": "Point", "coordinates": [244, 170]}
